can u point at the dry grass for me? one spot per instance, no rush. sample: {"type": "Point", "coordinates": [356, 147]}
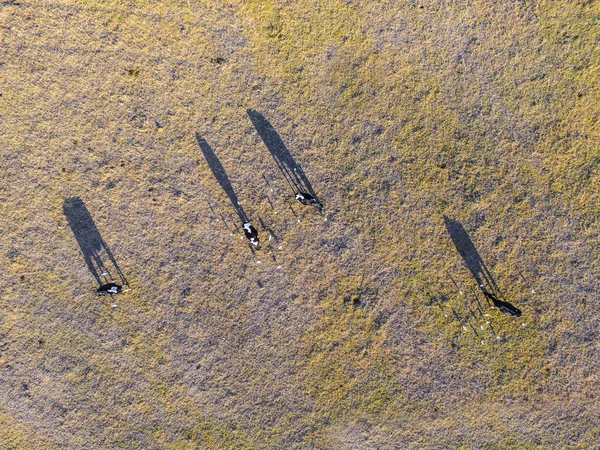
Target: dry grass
{"type": "Point", "coordinates": [399, 112]}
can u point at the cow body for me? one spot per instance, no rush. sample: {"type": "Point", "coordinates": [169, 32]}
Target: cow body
{"type": "Point", "coordinates": [251, 233]}
{"type": "Point", "coordinates": [307, 199]}
{"type": "Point", "coordinates": [109, 288]}
{"type": "Point", "coordinates": [505, 307]}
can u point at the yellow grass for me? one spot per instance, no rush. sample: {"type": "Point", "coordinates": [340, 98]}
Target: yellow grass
{"type": "Point", "coordinates": [399, 112]}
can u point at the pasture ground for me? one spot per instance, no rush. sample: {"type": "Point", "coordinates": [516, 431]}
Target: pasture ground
{"type": "Point", "coordinates": [399, 112]}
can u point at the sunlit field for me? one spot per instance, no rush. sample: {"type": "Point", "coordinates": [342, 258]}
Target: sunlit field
{"type": "Point", "coordinates": [454, 146]}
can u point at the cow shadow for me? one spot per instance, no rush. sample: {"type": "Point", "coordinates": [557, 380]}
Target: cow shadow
{"type": "Point", "coordinates": [221, 176]}
{"type": "Point", "coordinates": [470, 256]}
{"type": "Point", "coordinates": [291, 171]}
{"type": "Point", "coordinates": [97, 255]}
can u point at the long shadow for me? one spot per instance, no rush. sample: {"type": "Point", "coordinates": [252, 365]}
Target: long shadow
{"type": "Point", "coordinates": [470, 256]}
{"type": "Point", "coordinates": [288, 166]}
{"type": "Point", "coordinates": [219, 172]}
{"type": "Point", "coordinates": [93, 247]}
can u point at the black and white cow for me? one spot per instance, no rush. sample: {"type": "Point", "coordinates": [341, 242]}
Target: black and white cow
{"type": "Point", "coordinates": [109, 288]}
{"type": "Point", "coordinates": [306, 199]}
{"type": "Point", "coordinates": [251, 233]}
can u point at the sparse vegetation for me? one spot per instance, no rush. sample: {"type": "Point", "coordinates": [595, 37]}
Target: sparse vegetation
{"type": "Point", "coordinates": [398, 112]}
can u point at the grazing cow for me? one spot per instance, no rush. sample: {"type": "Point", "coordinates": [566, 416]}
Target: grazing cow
{"type": "Point", "coordinates": [110, 288]}
{"type": "Point", "coordinates": [251, 233]}
{"type": "Point", "coordinates": [306, 199]}
{"type": "Point", "coordinates": [505, 307]}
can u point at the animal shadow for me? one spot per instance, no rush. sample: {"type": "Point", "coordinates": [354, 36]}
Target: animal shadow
{"type": "Point", "coordinates": [470, 255]}
{"type": "Point", "coordinates": [97, 255]}
{"type": "Point", "coordinates": [221, 176]}
{"type": "Point", "coordinates": [475, 264]}
{"type": "Point", "coordinates": [291, 171]}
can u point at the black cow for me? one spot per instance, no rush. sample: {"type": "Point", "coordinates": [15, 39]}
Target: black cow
{"type": "Point", "coordinates": [251, 233]}
{"type": "Point", "coordinates": [505, 307]}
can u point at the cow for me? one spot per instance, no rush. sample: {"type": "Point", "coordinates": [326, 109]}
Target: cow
{"type": "Point", "coordinates": [505, 307]}
{"type": "Point", "coordinates": [306, 199]}
{"type": "Point", "coordinates": [109, 288]}
{"type": "Point", "coordinates": [251, 233]}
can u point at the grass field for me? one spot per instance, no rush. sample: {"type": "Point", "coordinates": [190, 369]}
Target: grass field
{"type": "Point", "coordinates": [339, 332]}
